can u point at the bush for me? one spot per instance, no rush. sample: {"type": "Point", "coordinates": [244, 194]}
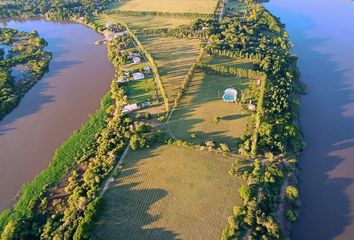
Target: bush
{"type": "Point", "coordinates": [291, 215]}
{"type": "Point", "coordinates": [216, 119]}
{"type": "Point", "coordinates": [292, 194]}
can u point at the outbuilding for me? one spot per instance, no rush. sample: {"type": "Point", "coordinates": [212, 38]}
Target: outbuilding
{"type": "Point", "coordinates": [138, 76]}
{"type": "Point", "coordinates": [130, 108]}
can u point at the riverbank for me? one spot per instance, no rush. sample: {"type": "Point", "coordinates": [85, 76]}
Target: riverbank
{"type": "Point", "coordinates": [322, 35]}
{"type": "Point", "coordinates": [80, 75]}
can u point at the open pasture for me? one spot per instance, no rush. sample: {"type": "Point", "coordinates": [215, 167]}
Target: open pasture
{"type": "Point", "coordinates": [193, 119]}
{"type": "Point", "coordinates": [174, 57]}
{"type": "Point", "coordinates": [169, 192]}
{"type": "Point", "coordinates": [172, 6]}
{"type": "Point", "coordinates": [228, 62]}
{"type": "Point", "coordinates": [146, 22]}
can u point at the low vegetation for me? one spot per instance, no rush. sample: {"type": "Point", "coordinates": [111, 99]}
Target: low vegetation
{"type": "Point", "coordinates": [168, 192]}
{"type": "Point", "coordinates": [202, 100]}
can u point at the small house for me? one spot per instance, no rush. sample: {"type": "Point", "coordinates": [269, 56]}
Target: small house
{"type": "Point", "coordinates": [138, 76]}
{"type": "Point", "coordinates": [147, 69]}
{"type": "Point", "coordinates": [130, 108]}
{"type": "Point", "coordinates": [145, 104]}
{"type": "Point", "coordinates": [251, 106]}
{"type": "Point", "coordinates": [136, 60]}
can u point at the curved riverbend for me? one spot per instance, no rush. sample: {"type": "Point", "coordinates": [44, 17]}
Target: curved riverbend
{"type": "Point", "coordinates": [323, 34]}
{"type": "Point", "coordinates": [80, 74]}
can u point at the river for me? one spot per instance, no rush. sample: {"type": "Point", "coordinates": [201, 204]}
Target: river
{"type": "Point", "coordinates": [80, 74]}
{"type": "Point", "coordinates": [323, 34]}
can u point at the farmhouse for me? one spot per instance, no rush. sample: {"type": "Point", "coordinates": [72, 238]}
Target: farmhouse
{"type": "Point", "coordinates": [147, 69]}
{"type": "Point", "coordinates": [130, 108]}
{"type": "Point", "coordinates": [136, 60]}
{"type": "Point", "coordinates": [138, 76]}
{"type": "Point", "coordinates": [251, 106]}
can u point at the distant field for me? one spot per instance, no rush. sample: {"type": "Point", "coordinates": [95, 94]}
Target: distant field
{"type": "Point", "coordinates": [141, 90]}
{"type": "Point", "coordinates": [146, 22]}
{"type": "Point", "coordinates": [201, 102]}
{"type": "Point", "coordinates": [227, 62]}
{"type": "Point", "coordinates": [169, 192]}
{"type": "Point", "coordinates": [174, 57]}
{"type": "Point", "coordinates": [174, 6]}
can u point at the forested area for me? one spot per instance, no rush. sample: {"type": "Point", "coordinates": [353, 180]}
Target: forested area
{"type": "Point", "coordinates": [52, 9]}
{"type": "Point", "coordinates": [27, 52]}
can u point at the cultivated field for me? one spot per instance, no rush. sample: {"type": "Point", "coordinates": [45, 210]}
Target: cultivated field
{"type": "Point", "coordinates": [147, 22]}
{"type": "Point", "coordinates": [169, 192]}
{"type": "Point", "coordinates": [202, 102]}
{"type": "Point", "coordinates": [173, 6]}
{"type": "Point", "coordinates": [174, 57]}
{"type": "Point", "coordinates": [227, 62]}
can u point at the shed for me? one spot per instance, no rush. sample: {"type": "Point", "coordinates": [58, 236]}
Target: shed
{"type": "Point", "coordinates": [138, 76]}
{"type": "Point", "coordinates": [130, 108]}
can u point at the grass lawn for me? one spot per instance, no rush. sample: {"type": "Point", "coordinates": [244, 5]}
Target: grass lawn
{"type": "Point", "coordinates": [174, 57]}
{"type": "Point", "coordinates": [140, 90]}
{"type": "Point", "coordinates": [169, 192]}
{"type": "Point", "coordinates": [174, 6]}
{"type": "Point", "coordinates": [227, 62]}
{"type": "Point", "coordinates": [147, 22]}
{"type": "Point", "coordinates": [235, 6]}
{"type": "Point", "coordinates": [201, 102]}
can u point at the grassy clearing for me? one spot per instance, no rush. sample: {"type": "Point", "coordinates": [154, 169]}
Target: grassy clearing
{"type": "Point", "coordinates": [235, 6]}
{"type": "Point", "coordinates": [173, 6]}
{"type": "Point", "coordinates": [203, 101]}
{"type": "Point", "coordinates": [146, 22]}
{"type": "Point", "coordinates": [174, 57]}
{"type": "Point", "coordinates": [227, 62]}
{"type": "Point", "coordinates": [141, 90]}
{"type": "Point", "coordinates": [169, 192]}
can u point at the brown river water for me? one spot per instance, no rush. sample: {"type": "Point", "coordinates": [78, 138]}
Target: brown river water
{"type": "Point", "coordinates": [323, 34]}
{"type": "Point", "coordinates": [80, 74]}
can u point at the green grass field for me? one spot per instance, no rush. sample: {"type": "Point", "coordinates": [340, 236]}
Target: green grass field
{"type": "Point", "coordinates": [201, 102]}
{"type": "Point", "coordinates": [174, 57]}
{"type": "Point", "coordinates": [141, 90]}
{"type": "Point", "coordinates": [174, 6]}
{"type": "Point", "coordinates": [169, 192]}
{"type": "Point", "coordinates": [235, 6]}
{"type": "Point", "coordinates": [227, 62]}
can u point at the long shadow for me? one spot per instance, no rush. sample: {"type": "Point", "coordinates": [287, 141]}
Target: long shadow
{"type": "Point", "coordinates": [125, 212]}
{"type": "Point", "coordinates": [326, 206]}
{"type": "Point", "coordinates": [200, 94]}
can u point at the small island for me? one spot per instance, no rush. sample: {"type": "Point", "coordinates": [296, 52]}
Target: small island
{"type": "Point", "coordinates": [23, 61]}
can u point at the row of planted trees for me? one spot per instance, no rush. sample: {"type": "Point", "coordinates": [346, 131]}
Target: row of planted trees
{"type": "Point", "coordinates": [153, 66]}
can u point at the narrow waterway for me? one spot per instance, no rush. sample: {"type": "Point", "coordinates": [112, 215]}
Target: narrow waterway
{"type": "Point", "coordinates": [323, 34]}
{"type": "Point", "coordinates": [80, 74]}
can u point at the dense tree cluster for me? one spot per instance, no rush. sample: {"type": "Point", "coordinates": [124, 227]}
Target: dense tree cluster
{"type": "Point", "coordinates": [52, 9]}
{"type": "Point", "coordinates": [256, 217]}
{"type": "Point", "coordinates": [259, 36]}
{"type": "Point", "coordinates": [27, 49]}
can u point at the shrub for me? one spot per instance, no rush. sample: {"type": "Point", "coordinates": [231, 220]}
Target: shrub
{"type": "Point", "coordinates": [291, 215]}
{"type": "Point", "coordinates": [216, 119]}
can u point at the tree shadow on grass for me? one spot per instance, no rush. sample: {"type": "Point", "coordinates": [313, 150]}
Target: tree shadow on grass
{"type": "Point", "coordinates": [201, 92]}
{"type": "Point", "coordinates": [125, 213]}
